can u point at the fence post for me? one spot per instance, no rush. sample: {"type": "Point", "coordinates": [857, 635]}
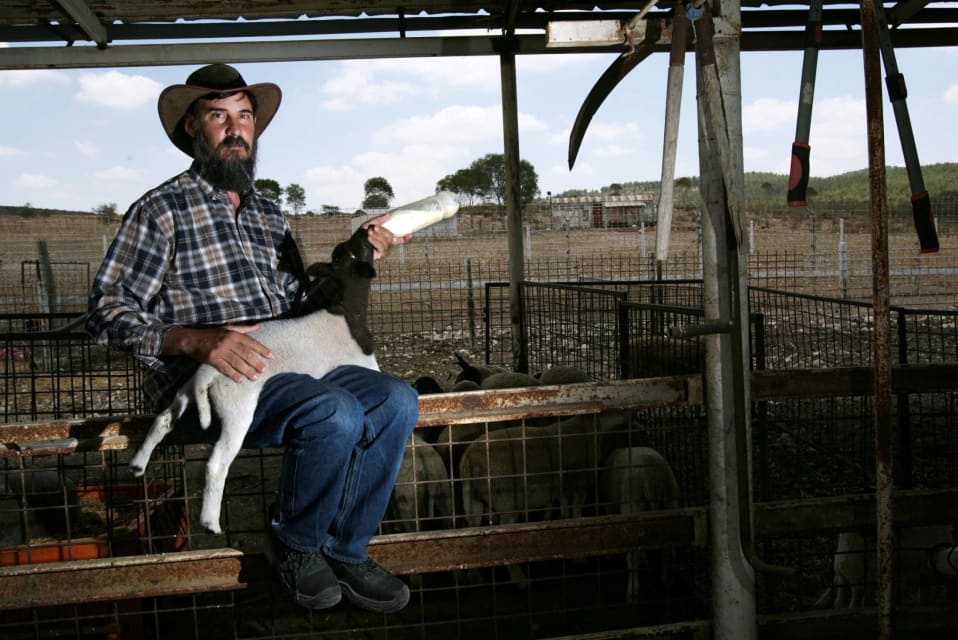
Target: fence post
{"type": "Point", "coordinates": [842, 260]}
{"type": "Point", "coordinates": [470, 305]}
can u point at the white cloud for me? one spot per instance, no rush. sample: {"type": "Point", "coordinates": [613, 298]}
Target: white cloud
{"type": "Point", "coordinates": [87, 149]}
{"type": "Point", "coordinates": [30, 77]}
{"type": "Point", "coordinates": [119, 173]}
{"type": "Point", "coordinates": [838, 136]}
{"type": "Point", "coordinates": [951, 94]}
{"type": "Point", "coordinates": [360, 86]}
{"type": "Point", "coordinates": [338, 186]}
{"type": "Point", "coordinates": [34, 181]}
{"type": "Point", "coordinates": [118, 90]}
{"type": "Point", "coordinates": [456, 124]}
{"type": "Point", "coordinates": [768, 113]}
{"type": "Point", "coordinates": [379, 82]}
{"type": "Point", "coordinates": [9, 151]}
{"type": "Point", "coordinates": [614, 151]}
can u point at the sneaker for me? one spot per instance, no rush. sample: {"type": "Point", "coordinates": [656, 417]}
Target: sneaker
{"type": "Point", "coordinates": [370, 587]}
{"type": "Point", "coordinates": [306, 576]}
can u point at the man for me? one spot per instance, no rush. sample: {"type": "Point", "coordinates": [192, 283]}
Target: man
{"type": "Point", "coordinates": [200, 259]}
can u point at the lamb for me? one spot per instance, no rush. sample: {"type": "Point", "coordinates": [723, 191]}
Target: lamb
{"type": "Point", "coordinates": [637, 479]}
{"type": "Point", "coordinates": [345, 340]}
{"type": "Point", "coordinates": [855, 568]}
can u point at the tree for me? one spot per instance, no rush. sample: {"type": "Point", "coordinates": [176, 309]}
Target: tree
{"type": "Point", "coordinates": [465, 183]}
{"type": "Point", "coordinates": [378, 193]}
{"type": "Point", "coordinates": [295, 197]}
{"type": "Point", "coordinates": [485, 180]}
{"type": "Point", "coordinates": [269, 188]}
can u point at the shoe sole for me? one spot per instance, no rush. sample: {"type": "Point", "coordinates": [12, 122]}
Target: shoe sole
{"type": "Point", "coordinates": [376, 606]}
{"type": "Point", "coordinates": [323, 600]}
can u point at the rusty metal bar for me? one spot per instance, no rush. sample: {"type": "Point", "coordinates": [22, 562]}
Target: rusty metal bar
{"type": "Point", "coordinates": [57, 583]}
{"type": "Point", "coordinates": [589, 397]}
{"type": "Point", "coordinates": [884, 426]}
{"type": "Point", "coordinates": [119, 432]}
{"type": "Point", "coordinates": [455, 549]}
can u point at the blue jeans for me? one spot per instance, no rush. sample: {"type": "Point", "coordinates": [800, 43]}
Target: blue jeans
{"type": "Point", "coordinates": [344, 438]}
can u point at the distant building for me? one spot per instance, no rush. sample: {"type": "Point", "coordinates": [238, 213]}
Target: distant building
{"type": "Point", "coordinates": [603, 211]}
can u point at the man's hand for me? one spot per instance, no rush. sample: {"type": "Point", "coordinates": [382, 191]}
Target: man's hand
{"type": "Point", "coordinates": [229, 349]}
{"type": "Point", "coordinates": [382, 239]}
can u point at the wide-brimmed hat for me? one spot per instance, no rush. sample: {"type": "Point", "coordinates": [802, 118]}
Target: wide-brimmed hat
{"type": "Point", "coordinates": [176, 99]}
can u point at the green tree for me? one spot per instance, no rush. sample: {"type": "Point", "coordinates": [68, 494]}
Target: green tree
{"type": "Point", "coordinates": [269, 188]}
{"type": "Point", "coordinates": [330, 210]}
{"type": "Point", "coordinates": [378, 193]}
{"type": "Point", "coordinates": [485, 180]}
{"type": "Point", "coordinates": [465, 183]}
{"type": "Point", "coordinates": [295, 197]}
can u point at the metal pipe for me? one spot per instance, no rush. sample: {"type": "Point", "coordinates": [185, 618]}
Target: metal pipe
{"type": "Point", "coordinates": [673, 104]}
{"type": "Point", "coordinates": [510, 125]}
{"type": "Point", "coordinates": [733, 577]}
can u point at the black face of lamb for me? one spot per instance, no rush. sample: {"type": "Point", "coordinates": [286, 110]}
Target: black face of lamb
{"type": "Point", "coordinates": [341, 287]}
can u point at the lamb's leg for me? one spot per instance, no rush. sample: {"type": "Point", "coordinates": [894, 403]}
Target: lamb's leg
{"type": "Point", "coordinates": [235, 423]}
{"type": "Point", "coordinates": [162, 425]}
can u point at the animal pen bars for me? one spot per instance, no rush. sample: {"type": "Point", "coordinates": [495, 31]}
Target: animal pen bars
{"type": "Point", "coordinates": [71, 500]}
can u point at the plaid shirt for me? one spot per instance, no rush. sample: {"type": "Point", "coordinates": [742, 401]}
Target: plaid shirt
{"type": "Point", "coordinates": [184, 257]}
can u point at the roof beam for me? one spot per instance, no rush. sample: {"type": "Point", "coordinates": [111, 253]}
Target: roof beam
{"type": "Point", "coordinates": [80, 57]}
{"type": "Point", "coordinates": [91, 25]}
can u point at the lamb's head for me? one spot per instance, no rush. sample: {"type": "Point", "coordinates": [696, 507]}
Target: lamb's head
{"type": "Point", "coordinates": [326, 282]}
{"type": "Point", "coordinates": [341, 287]}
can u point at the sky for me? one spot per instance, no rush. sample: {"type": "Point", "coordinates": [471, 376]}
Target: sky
{"type": "Point", "coordinates": [81, 138]}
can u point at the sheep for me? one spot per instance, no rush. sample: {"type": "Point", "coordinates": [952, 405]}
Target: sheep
{"type": "Point", "coordinates": [451, 443]}
{"type": "Point", "coordinates": [422, 492]}
{"type": "Point", "coordinates": [854, 564]}
{"type": "Point", "coordinates": [345, 340]}
{"type": "Point", "coordinates": [509, 380]}
{"type": "Point", "coordinates": [476, 373]}
{"type": "Point", "coordinates": [634, 480]}
{"type": "Point", "coordinates": [564, 374]}
{"type": "Point", "coordinates": [524, 469]}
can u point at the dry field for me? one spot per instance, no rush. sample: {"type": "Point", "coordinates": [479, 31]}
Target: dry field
{"type": "Point", "coordinates": [422, 315]}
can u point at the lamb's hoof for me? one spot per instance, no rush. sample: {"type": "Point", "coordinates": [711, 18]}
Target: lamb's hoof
{"type": "Point", "coordinates": [137, 470]}
{"type": "Point", "coordinates": [212, 527]}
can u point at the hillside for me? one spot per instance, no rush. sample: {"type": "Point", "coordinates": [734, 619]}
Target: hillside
{"type": "Point", "coordinates": [848, 191]}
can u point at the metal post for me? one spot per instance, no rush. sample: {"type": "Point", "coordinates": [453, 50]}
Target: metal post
{"type": "Point", "coordinates": [881, 345]}
{"type": "Point", "coordinates": [510, 125]}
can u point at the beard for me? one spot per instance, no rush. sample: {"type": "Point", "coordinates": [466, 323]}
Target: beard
{"type": "Point", "coordinates": [230, 173]}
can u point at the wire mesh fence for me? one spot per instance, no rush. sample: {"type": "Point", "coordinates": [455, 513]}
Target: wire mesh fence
{"type": "Point", "coordinates": [605, 313]}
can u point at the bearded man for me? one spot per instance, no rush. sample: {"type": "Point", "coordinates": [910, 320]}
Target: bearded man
{"type": "Point", "coordinates": [196, 263]}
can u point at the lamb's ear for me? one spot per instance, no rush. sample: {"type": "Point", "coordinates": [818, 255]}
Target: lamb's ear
{"type": "Point", "coordinates": [290, 259]}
